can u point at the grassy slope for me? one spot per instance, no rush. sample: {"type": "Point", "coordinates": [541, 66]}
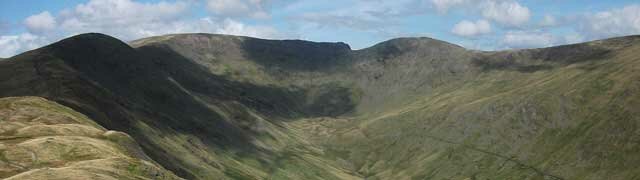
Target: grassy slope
{"type": "Point", "coordinates": [570, 121]}
{"type": "Point", "coordinates": [226, 107]}
{"type": "Point", "coordinates": [40, 139]}
{"type": "Point", "coordinates": [432, 110]}
{"type": "Point", "coordinates": [196, 124]}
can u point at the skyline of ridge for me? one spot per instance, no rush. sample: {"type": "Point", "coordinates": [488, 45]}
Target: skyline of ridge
{"type": "Point", "coordinates": [480, 24]}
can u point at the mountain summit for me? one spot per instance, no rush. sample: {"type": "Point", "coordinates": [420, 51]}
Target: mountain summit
{"type": "Point", "coordinates": [207, 106]}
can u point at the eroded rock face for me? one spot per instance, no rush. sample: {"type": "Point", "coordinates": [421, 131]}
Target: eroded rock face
{"type": "Point", "coordinates": [40, 139]}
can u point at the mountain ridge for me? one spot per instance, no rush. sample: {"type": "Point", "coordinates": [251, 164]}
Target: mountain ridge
{"type": "Point", "coordinates": [228, 107]}
{"type": "Point", "coordinates": [143, 41]}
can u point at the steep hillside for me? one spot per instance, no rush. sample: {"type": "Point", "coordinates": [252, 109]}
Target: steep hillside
{"type": "Point", "coordinates": [227, 107]}
{"type": "Point", "coordinates": [40, 139]}
{"type": "Point", "coordinates": [526, 114]}
{"type": "Point", "coordinates": [197, 124]}
{"type": "Point", "coordinates": [427, 108]}
{"type": "Point", "coordinates": [404, 66]}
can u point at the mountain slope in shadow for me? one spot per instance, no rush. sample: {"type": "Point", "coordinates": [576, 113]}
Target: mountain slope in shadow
{"type": "Point", "coordinates": [194, 123]}
{"type": "Point", "coordinates": [228, 107]}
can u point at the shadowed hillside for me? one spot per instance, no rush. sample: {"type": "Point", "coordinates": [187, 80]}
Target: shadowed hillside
{"type": "Point", "coordinates": [195, 123]}
{"type": "Point", "coordinates": [227, 107]}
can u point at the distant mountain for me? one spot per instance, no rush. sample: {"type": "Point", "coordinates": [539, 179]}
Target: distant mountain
{"type": "Point", "coordinates": [227, 107]}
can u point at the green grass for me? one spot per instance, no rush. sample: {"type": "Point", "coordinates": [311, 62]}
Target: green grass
{"type": "Point", "coordinates": [410, 108]}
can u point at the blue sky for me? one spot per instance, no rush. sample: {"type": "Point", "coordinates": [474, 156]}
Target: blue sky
{"type": "Point", "coordinates": [475, 24]}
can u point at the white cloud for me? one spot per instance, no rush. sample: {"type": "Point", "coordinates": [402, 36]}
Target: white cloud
{"type": "Point", "coordinates": [130, 20]}
{"type": "Point", "coordinates": [338, 19]}
{"type": "Point", "coordinates": [508, 13]}
{"type": "Point", "coordinates": [237, 28]}
{"type": "Point", "coordinates": [573, 38]}
{"type": "Point", "coordinates": [471, 29]}
{"type": "Point", "coordinates": [527, 39]}
{"type": "Point", "coordinates": [615, 22]}
{"type": "Point", "coordinates": [126, 20]}
{"type": "Point", "coordinates": [444, 5]}
{"type": "Point", "coordinates": [13, 44]}
{"type": "Point", "coordinates": [123, 18]}
{"type": "Point", "coordinates": [377, 16]}
{"type": "Point", "coordinates": [128, 11]}
{"type": "Point", "coordinates": [40, 23]}
{"type": "Point", "coordinates": [548, 21]}
{"type": "Point", "coordinates": [240, 8]}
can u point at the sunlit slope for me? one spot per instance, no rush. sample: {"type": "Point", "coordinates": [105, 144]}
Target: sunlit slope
{"type": "Point", "coordinates": [429, 109]}
{"type": "Point", "coordinates": [40, 139]}
{"type": "Point", "coordinates": [570, 117]}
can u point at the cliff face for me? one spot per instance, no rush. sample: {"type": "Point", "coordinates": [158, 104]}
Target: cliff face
{"type": "Point", "coordinates": [215, 106]}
